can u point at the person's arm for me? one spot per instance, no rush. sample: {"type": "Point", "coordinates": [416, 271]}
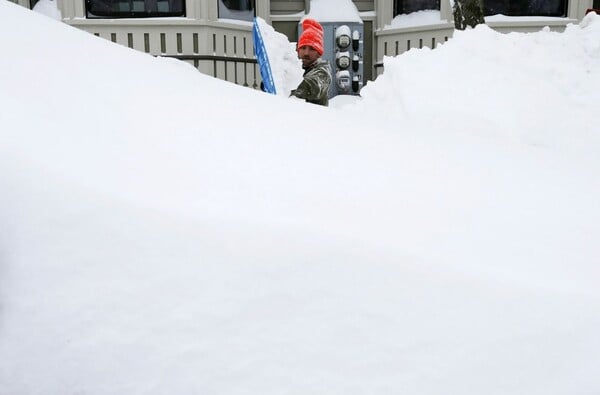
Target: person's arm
{"type": "Point", "coordinates": [314, 86]}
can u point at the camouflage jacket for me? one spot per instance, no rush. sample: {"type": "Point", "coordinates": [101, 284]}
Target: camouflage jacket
{"type": "Point", "coordinates": [315, 86]}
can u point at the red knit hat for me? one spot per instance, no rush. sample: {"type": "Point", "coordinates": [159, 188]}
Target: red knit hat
{"type": "Point", "coordinates": [312, 35]}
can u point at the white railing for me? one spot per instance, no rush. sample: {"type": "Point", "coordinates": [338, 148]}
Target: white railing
{"type": "Point", "coordinates": [220, 50]}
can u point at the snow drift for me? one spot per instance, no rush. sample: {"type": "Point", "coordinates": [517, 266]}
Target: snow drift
{"type": "Point", "coordinates": [156, 240]}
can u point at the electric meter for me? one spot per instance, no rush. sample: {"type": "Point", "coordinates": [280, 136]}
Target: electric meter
{"type": "Point", "coordinates": [342, 59]}
{"type": "Point", "coordinates": [343, 36]}
{"type": "Point", "coordinates": [343, 80]}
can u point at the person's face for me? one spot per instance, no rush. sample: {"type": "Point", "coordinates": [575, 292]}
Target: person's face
{"type": "Point", "coordinates": [308, 55]}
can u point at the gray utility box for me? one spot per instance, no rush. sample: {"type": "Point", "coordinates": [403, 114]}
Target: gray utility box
{"type": "Point", "coordinates": [343, 49]}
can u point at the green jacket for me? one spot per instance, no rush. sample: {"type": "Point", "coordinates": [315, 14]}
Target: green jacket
{"type": "Point", "coordinates": [315, 86]}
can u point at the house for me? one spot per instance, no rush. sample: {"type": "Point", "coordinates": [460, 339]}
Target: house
{"type": "Point", "coordinates": [216, 35]}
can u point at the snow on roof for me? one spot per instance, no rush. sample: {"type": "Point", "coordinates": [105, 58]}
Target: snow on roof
{"type": "Point", "coordinates": [334, 11]}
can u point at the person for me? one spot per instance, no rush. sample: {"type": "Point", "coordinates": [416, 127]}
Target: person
{"type": "Point", "coordinates": [314, 87]}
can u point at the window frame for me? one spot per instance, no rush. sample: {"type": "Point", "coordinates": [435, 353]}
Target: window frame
{"type": "Point", "coordinates": [249, 18]}
{"type": "Point", "coordinates": [132, 14]}
{"type": "Point", "coordinates": [514, 4]}
{"type": "Point", "coordinates": [396, 10]}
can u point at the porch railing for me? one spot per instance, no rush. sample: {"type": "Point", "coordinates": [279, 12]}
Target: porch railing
{"type": "Point", "coordinates": [240, 71]}
{"type": "Point", "coordinates": [224, 52]}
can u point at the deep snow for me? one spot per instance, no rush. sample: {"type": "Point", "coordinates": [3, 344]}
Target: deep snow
{"type": "Point", "coordinates": [438, 236]}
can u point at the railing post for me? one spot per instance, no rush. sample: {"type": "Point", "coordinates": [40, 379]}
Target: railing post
{"type": "Point", "coordinates": [446, 11]}
{"type": "Point", "coordinates": [384, 9]}
{"type": "Point", "coordinates": [263, 10]}
{"type": "Point", "coordinates": [212, 10]}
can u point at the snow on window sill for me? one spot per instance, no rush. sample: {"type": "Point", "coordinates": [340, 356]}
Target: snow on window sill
{"type": "Point", "coordinates": [526, 19]}
{"type": "Point", "coordinates": [416, 19]}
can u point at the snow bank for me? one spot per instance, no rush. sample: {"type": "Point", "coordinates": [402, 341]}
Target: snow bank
{"type": "Point", "coordinates": [154, 239]}
{"type": "Point", "coordinates": [531, 87]}
{"type": "Point", "coordinates": [283, 58]}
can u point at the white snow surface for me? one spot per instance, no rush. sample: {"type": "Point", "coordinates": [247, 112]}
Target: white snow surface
{"type": "Point", "coordinates": [506, 18]}
{"type": "Point", "coordinates": [334, 11]}
{"type": "Point", "coordinates": [48, 8]}
{"type": "Point", "coordinates": [418, 18]}
{"type": "Point", "coordinates": [287, 71]}
{"type": "Point", "coordinates": [164, 232]}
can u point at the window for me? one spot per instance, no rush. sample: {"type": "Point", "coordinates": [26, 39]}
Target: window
{"type": "Point", "coordinates": [237, 9]}
{"type": "Point", "coordinates": [134, 8]}
{"type": "Point", "coordinates": [525, 7]}
{"type": "Point", "coordinates": [408, 6]}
